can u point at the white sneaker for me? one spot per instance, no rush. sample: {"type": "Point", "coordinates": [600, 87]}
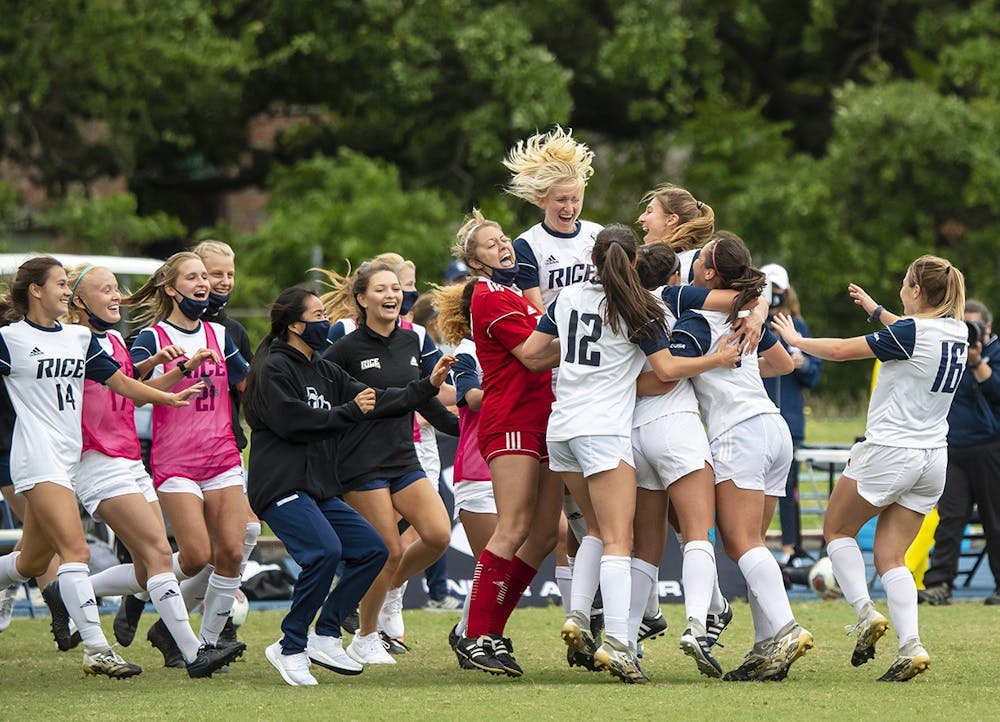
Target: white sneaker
{"type": "Point", "coordinates": [7, 597]}
{"type": "Point", "coordinates": [390, 617]}
{"type": "Point", "coordinates": [329, 652]}
{"type": "Point", "coordinates": [293, 668]}
{"type": "Point", "coordinates": [369, 650]}
{"type": "Point", "coordinates": [447, 604]}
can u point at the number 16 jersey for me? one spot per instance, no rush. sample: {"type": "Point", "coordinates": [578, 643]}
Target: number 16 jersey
{"type": "Point", "coordinates": [923, 360]}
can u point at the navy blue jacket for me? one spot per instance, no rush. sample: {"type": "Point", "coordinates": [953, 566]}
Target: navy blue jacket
{"type": "Point", "coordinates": [974, 418]}
{"type": "Point", "coordinates": [786, 391]}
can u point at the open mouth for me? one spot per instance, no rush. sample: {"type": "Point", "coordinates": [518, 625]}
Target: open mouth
{"type": "Point", "coordinates": [506, 259]}
{"type": "Point", "coordinates": [201, 295]}
{"type": "Point", "coordinates": [390, 306]}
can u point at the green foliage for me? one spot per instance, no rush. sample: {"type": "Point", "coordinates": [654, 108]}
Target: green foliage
{"type": "Point", "coordinates": [109, 225]}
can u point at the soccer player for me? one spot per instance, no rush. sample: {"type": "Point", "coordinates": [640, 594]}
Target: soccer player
{"type": "Point", "coordinates": [197, 467]}
{"type": "Point", "coordinates": [673, 216]}
{"type": "Point", "coordinates": [751, 449]}
{"type": "Point", "coordinates": [898, 472]}
{"type": "Point", "coordinates": [44, 365]}
{"type": "Point", "coordinates": [606, 329]}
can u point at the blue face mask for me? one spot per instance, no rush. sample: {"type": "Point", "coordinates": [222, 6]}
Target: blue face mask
{"type": "Point", "coordinates": [216, 303]}
{"type": "Point", "coordinates": [504, 276]}
{"type": "Point", "coordinates": [316, 334]}
{"type": "Point", "coordinates": [409, 298]}
{"type": "Point", "coordinates": [192, 308]}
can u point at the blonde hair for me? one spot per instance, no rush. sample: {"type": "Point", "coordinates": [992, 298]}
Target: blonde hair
{"type": "Point", "coordinates": [697, 219]}
{"type": "Point", "coordinates": [213, 248]}
{"type": "Point", "coordinates": [464, 248]}
{"type": "Point", "coordinates": [941, 285]}
{"type": "Point", "coordinates": [544, 160]}
{"type": "Point", "coordinates": [152, 298]}
{"type": "Point", "coordinates": [394, 261]}
{"type": "Point", "coordinates": [74, 276]}
{"type": "Point", "coordinates": [453, 306]}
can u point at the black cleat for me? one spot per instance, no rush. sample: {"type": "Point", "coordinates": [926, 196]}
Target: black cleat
{"type": "Point", "coordinates": [453, 640]}
{"type": "Point", "coordinates": [228, 634]}
{"type": "Point", "coordinates": [753, 665]}
{"type": "Point", "coordinates": [211, 658]}
{"type": "Point", "coordinates": [127, 619]}
{"type": "Point", "coordinates": [60, 616]}
{"type": "Point", "coordinates": [351, 623]}
{"type": "Point", "coordinates": [159, 637]}
{"type": "Point", "coordinates": [715, 625]}
{"type": "Point", "coordinates": [652, 627]}
{"type": "Point", "coordinates": [474, 650]}
{"type": "Point", "coordinates": [393, 645]}
{"type": "Point", "coordinates": [503, 652]}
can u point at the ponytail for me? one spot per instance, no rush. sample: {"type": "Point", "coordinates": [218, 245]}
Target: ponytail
{"type": "Point", "coordinates": [729, 257]}
{"type": "Point", "coordinates": [626, 301]}
{"type": "Point", "coordinates": [454, 305]}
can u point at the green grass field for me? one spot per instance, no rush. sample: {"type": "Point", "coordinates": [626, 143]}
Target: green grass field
{"type": "Point", "coordinates": [37, 682]}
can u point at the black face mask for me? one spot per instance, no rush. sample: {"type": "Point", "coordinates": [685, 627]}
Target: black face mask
{"type": "Point", "coordinates": [192, 308]}
{"type": "Point", "coordinates": [504, 276]}
{"type": "Point", "coordinates": [316, 334]}
{"type": "Point", "coordinates": [216, 303]}
{"type": "Point", "coordinates": [777, 298]}
{"type": "Point", "coordinates": [96, 322]}
{"type": "Point", "coordinates": [409, 298]}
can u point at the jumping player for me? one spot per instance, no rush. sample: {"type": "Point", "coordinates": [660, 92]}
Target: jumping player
{"type": "Point", "coordinates": [673, 216]}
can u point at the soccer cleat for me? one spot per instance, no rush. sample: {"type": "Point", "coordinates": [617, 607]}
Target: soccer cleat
{"type": "Point", "coordinates": [652, 627]}
{"type": "Point", "coordinates": [716, 623]}
{"type": "Point", "coordinates": [393, 646]}
{"type": "Point", "coordinates": [110, 664]}
{"type": "Point", "coordinates": [580, 644]}
{"type": "Point", "coordinates": [453, 639]}
{"type": "Point", "coordinates": [7, 597]}
{"type": "Point", "coordinates": [351, 623]}
{"type": "Point", "coordinates": [368, 649]}
{"type": "Point", "coordinates": [60, 616]}
{"type": "Point", "coordinates": [618, 659]}
{"type": "Point", "coordinates": [993, 600]}
{"type": "Point", "coordinates": [159, 636]}
{"type": "Point", "coordinates": [476, 653]}
{"type": "Point", "coordinates": [211, 658]}
{"type": "Point", "coordinates": [502, 650]}
{"type": "Point", "coordinates": [694, 644]}
{"type": "Point", "coordinates": [293, 668]}
{"type": "Point", "coordinates": [329, 652]}
{"type": "Point", "coordinates": [790, 643]}
{"type": "Point", "coordinates": [870, 628]}
{"type": "Point", "coordinates": [390, 617]}
{"type": "Point", "coordinates": [936, 595]}
{"type": "Point", "coordinates": [581, 659]}
{"type": "Point", "coordinates": [447, 604]}
{"type": "Point", "coordinates": [753, 665]}
{"type": "Point", "coordinates": [911, 660]}
{"type": "Point", "coordinates": [127, 619]}
{"type": "Point", "coordinates": [228, 633]}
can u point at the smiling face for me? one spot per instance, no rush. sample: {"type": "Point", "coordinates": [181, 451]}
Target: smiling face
{"type": "Point", "coordinates": [493, 249]}
{"type": "Point", "coordinates": [52, 297]}
{"type": "Point", "coordinates": [383, 297]}
{"type": "Point", "coordinates": [191, 281]}
{"type": "Point", "coordinates": [98, 290]}
{"type": "Point", "coordinates": [656, 223]}
{"type": "Point", "coordinates": [563, 205]}
{"type": "Point", "coordinates": [221, 273]}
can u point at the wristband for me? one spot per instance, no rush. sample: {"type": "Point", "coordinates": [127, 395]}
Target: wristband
{"type": "Point", "coordinates": [184, 369]}
{"type": "Point", "coordinates": [876, 314]}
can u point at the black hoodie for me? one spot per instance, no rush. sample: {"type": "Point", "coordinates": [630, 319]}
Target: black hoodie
{"type": "Point", "coordinates": [305, 406]}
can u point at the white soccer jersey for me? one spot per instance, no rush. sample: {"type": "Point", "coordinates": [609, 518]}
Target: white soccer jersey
{"type": "Point", "coordinates": [923, 360]}
{"type": "Point", "coordinates": [44, 370]}
{"type": "Point", "coordinates": [680, 398]}
{"type": "Point", "coordinates": [687, 260]}
{"type": "Point", "coordinates": [726, 396]}
{"type": "Point", "coordinates": [595, 392]}
{"type": "Point", "coordinates": [551, 261]}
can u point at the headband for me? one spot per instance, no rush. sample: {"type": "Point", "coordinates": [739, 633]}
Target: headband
{"type": "Point", "coordinates": [79, 278]}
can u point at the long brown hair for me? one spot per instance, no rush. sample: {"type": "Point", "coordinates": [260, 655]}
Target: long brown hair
{"type": "Point", "coordinates": [625, 299]}
{"type": "Point", "coordinates": [697, 219]}
{"type": "Point", "coordinates": [14, 303]}
{"type": "Point", "coordinates": [153, 298]}
{"type": "Point", "coordinates": [656, 263]}
{"type": "Point", "coordinates": [729, 257]}
{"type": "Point", "coordinates": [941, 284]}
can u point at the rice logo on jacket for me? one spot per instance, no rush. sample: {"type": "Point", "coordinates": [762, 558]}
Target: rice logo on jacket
{"type": "Point", "coordinates": [316, 399]}
{"type": "Point", "coordinates": [371, 363]}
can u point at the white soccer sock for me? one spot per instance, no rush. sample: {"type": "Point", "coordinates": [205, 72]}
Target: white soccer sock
{"type": "Point", "coordinates": [564, 580]}
{"type": "Point", "coordinates": [698, 576]}
{"type": "Point", "coordinates": [617, 590]}
{"type": "Point", "coordinates": [116, 581]}
{"type": "Point", "coordinates": [653, 598]}
{"type": "Point", "coordinates": [763, 576]}
{"type": "Point", "coordinates": [761, 626]}
{"type": "Point", "coordinates": [586, 574]}
{"type": "Point", "coordinates": [717, 605]}
{"type": "Point", "coordinates": [81, 603]}
{"type": "Point", "coordinates": [9, 576]}
{"type": "Point", "coordinates": [574, 518]}
{"type": "Point", "coordinates": [166, 597]}
{"type": "Point", "coordinates": [178, 572]}
{"type": "Point", "coordinates": [218, 605]}
{"type": "Point", "coordinates": [849, 570]}
{"type": "Point", "coordinates": [643, 576]}
{"type": "Point", "coordinates": [249, 542]}
{"type": "Point", "coordinates": [463, 623]}
{"type": "Point", "coordinates": [901, 593]}
{"type": "Point", "coordinates": [193, 588]}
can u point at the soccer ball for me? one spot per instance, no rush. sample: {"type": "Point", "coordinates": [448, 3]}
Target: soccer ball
{"type": "Point", "coordinates": [241, 607]}
{"type": "Point", "coordinates": [822, 581]}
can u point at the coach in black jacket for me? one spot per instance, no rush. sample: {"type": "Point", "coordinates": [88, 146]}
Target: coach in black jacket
{"type": "Point", "coordinates": [297, 405]}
